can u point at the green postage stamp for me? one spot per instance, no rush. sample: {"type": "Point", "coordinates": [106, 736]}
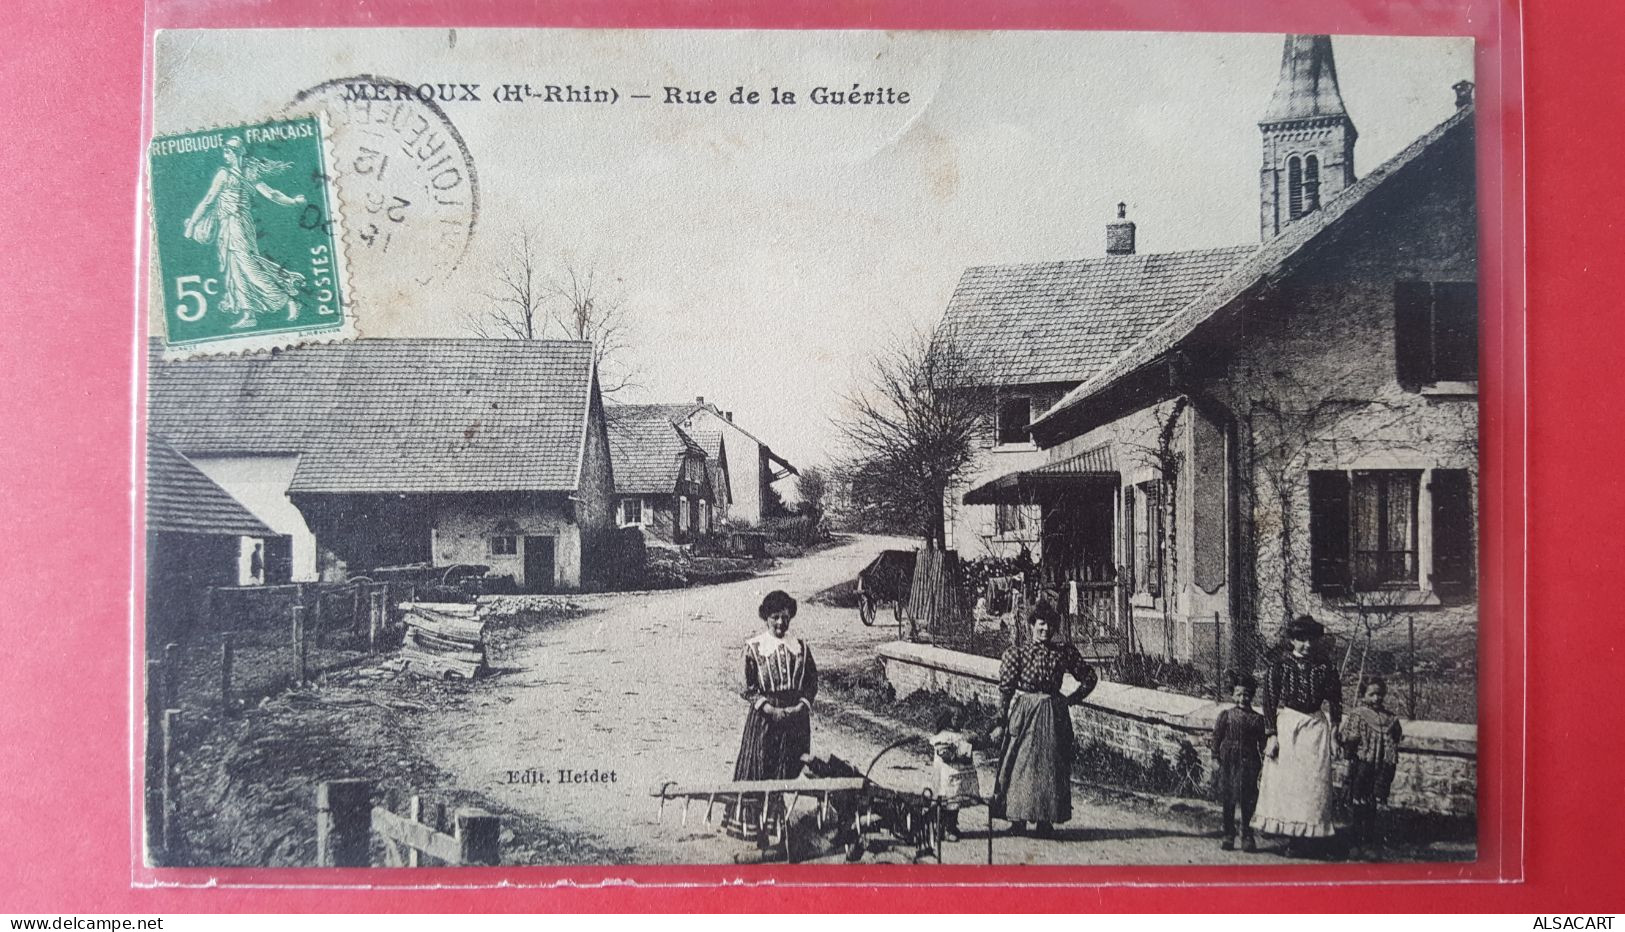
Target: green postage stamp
{"type": "Point", "coordinates": [249, 239]}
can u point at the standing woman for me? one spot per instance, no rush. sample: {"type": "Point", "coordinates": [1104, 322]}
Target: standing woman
{"type": "Point", "coordinates": [1035, 761]}
{"type": "Point", "coordinates": [780, 683]}
{"type": "Point", "coordinates": [1303, 705]}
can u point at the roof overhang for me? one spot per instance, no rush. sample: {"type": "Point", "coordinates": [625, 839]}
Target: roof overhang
{"type": "Point", "coordinates": [1093, 468]}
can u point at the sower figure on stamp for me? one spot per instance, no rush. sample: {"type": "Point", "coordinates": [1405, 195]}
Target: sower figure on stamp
{"type": "Point", "coordinates": [250, 283]}
{"type": "Point", "coordinates": [1371, 736]}
{"type": "Point", "coordinates": [1035, 758]}
{"type": "Point", "coordinates": [1303, 706]}
{"type": "Point", "coordinates": [781, 681]}
{"type": "Point", "coordinates": [1239, 736]}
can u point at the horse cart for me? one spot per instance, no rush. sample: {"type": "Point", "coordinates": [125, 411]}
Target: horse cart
{"type": "Point", "coordinates": [887, 579]}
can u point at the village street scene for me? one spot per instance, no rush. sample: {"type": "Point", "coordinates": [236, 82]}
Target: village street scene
{"type": "Point", "coordinates": [1098, 555]}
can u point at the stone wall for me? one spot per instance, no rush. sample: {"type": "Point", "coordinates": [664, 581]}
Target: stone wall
{"type": "Point", "coordinates": [1438, 762]}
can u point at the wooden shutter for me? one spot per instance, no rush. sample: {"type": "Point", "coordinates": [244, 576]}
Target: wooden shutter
{"type": "Point", "coordinates": [1455, 331]}
{"type": "Point", "coordinates": [1453, 562]}
{"type": "Point", "coordinates": [1413, 333]}
{"type": "Point", "coordinates": [1329, 531]}
{"type": "Point", "coordinates": [1128, 540]}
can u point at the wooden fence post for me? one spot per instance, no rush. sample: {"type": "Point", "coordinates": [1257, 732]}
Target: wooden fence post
{"type": "Point", "coordinates": [479, 837]}
{"type": "Point", "coordinates": [344, 823]}
{"type": "Point", "coordinates": [168, 798]}
{"type": "Point", "coordinates": [299, 655]}
{"type": "Point", "coordinates": [414, 811]}
{"type": "Point", "coordinates": [375, 611]}
{"type": "Point", "coordinates": [1410, 698]}
{"type": "Point", "coordinates": [226, 651]}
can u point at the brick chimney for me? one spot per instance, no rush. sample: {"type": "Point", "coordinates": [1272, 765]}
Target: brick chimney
{"type": "Point", "coordinates": [699, 399]}
{"type": "Point", "coordinates": [728, 416]}
{"type": "Point", "coordinates": [1120, 233]}
{"type": "Point", "coordinates": [1464, 93]}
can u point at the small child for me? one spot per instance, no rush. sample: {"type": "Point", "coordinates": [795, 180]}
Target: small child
{"type": "Point", "coordinates": [957, 782]}
{"type": "Point", "coordinates": [1239, 735]}
{"type": "Point", "coordinates": [1371, 736]}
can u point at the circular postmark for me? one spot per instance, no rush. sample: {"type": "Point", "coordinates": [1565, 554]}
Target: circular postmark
{"type": "Point", "coordinates": [409, 190]}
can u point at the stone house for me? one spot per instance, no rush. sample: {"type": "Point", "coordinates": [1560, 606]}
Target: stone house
{"type": "Point", "coordinates": [391, 452]}
{"type": "Point", "coordinates": [743, 467]}
{"type": "Point", "coordinates": [663, 478]}
{"type": "Point", "coordinates": [1299, 436]}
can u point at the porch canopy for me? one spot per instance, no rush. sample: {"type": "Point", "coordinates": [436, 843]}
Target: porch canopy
{"type": "Point", "coordinates": [1030, 485]}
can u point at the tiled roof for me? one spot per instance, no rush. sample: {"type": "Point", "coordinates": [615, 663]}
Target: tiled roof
{"type": "Point", "coordinates": [1275, 255]}
{"type": "Point", "coordinates": [647, 449]}
{"type": "Point", "coordinates": [1062, 321]}
{"type": "Point", "coordinates": [389, 415]}
{"type": "Point", "coordinates": [182, 500]}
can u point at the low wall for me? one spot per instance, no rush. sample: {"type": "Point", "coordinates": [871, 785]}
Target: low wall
{"type": "Point", "coordinates": [1438, 761]}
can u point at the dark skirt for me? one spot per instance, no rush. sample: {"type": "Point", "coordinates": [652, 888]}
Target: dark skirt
{"type": "Point", "coordinates": [1239, 769]}
{"type": "Point", "coordinates": [771, 750]}
{"type": "Point", "coordinates": [1369, 782]}
{"type": "Point", "coordinates": [1035, 763]}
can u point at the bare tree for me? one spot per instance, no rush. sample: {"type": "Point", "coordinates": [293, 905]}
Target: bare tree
{"type": "Point", "coordinates": [529, 302]}
{"type": "Point", "coordinates": [913, 426]}
{"type": "Point", "coordinates": [584, 309]}
{"type": "Point", "coordinates": [514, 304]}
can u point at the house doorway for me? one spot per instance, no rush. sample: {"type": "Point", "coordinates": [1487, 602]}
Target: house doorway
{"type": "Point", "coordinates": [539, 564]}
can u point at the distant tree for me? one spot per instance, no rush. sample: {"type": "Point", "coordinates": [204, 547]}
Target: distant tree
{"type": "Point", "coordinates": [514, 304]}
{"type": "Point", "coordinates": [585, 310]}
{"type": "Point", "coordinates": [529, 302]}
{"type": "Point", "coordinates": [773, 505]}
{"type": "Point", "coordinates": [812, 487]}
{"type": "Point", "coordinates": [912, 430]}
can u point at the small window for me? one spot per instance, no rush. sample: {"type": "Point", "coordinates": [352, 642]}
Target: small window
{"type": "Point", "coordinates": [1015, 416]}
{"type": "Point", "coordinates": [1435, 332]}
{"type": "Point", "coordinates": [1010, 519]}
{"type": "Point", "coordinates": [1311, 184]}
{"type": "Point", "coordinates": [631, 512]}
{"type": "Point", "coordinates": [1384, 528]}
{"type": "Point", "coordinates": [682, 512]}
{"type": "Point", "coordinates": [1363, 529]}
{"type": "Point", "coordinates": [1294, 187]}
{"type": "Point", "coordinates": [504, 545]}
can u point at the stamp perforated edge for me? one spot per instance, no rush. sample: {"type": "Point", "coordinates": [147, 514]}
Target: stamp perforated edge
{"type": "Point", "coordinates": [349, 326]}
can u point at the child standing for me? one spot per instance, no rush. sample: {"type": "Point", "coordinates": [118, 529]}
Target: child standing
{"type": "Point", "coordinates": [957, 782]}
{"type": "Point", "coordinates": [1239, 735]}
{"type": "Point", "coordinates": [1371, 736]}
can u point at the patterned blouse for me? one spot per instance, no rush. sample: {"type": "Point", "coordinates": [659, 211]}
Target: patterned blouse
{"type": "Point", "coordinates": [1038, 668]}
{"type": "Point", "coordinates": [780, 672]}
{"type": "Point", "coordinates": [1373, 736]}
{"type": "Point", "coordinates": [1302, 685]}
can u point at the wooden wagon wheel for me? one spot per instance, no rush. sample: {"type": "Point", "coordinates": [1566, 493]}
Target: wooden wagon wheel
{"type": "Point", "coordinates": [866, 609]}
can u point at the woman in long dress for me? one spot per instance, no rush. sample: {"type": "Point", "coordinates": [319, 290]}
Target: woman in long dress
{"type": "Point", "coordinates": [781, 681]}
{"type": "Point", "coordinates": [250, 283]}
{"type": "Point", "coordinates": [1035, 762]}
{"type": "Point", "coordinates": [1303, 705]}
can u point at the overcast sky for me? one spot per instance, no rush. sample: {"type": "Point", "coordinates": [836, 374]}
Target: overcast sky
{"type": "Point", "coordinates": [762, 251]}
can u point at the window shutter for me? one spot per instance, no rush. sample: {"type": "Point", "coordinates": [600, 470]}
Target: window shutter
{"type": "Point", "coordinates": [1128, 540]}
{"type": "Point", "coordinates": [1452, 529]}
{"type": "Point", "coordinates": [1413, 334]}
{"type": "Point", "coordinates": [1328, 531]}
{"type": "Point", "coordinates": [1455, 328]}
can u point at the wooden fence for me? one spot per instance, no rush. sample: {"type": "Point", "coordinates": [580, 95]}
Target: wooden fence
{"type": "Point", "coordinates": [347, 820]}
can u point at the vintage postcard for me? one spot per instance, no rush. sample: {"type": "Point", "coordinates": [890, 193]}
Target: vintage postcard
{"type": "Point", "coordinates": [592, 447]}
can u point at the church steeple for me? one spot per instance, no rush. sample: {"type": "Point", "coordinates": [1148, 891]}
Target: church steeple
{"type": "Point", "coordinates": [1308, 136]}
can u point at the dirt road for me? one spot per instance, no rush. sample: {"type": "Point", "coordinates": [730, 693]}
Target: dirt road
{"type": "Point", "coordinates": [593, 713]}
